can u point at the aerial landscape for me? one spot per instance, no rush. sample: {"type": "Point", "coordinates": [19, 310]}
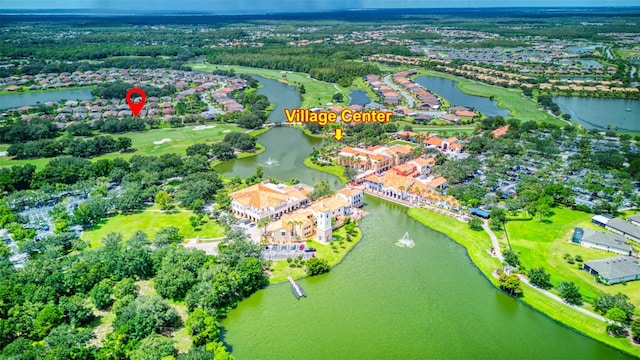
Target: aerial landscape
{"type": "Point", "coordinates": [319, 180]}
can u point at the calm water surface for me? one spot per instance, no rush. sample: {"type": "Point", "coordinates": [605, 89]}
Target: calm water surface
{"type": "Point", "coordinates": [387, 302]}
{"type": "Point", "coordinates": [595, 113]}
{"type": "Point", "coordinates": [358, 97]}
{"type": "Point", "coordinates": [21, 99]}
{"type": "Point", "coordinates": [448, 89]}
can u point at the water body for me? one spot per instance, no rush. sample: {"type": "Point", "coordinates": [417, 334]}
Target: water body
{"type": "Point", "coordinates": [358, 97]}
{"type": "Point", "coordinates": [448, 89]}
{"type": "Point", "coordinates": [282, 95]}
{"type": "Point", "coordinates": [595, 113]}
{"type": "Point", "coordinates": [10, 101]}
{"type": "Point", "coordinates": [385, 301]}
{"type": "Point", "coordinates": [590, 63]}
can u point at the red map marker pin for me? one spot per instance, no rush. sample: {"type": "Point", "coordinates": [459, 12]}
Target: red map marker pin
{"type": "Point", "coordinates": [136, 107]}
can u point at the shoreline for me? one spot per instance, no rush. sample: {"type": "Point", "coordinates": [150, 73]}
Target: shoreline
{"type": "Point", "coordinates": [564, 315]}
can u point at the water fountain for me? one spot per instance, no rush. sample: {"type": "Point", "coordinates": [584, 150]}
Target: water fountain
{"type": "Point", "coordinates": [405, 241]}
{"type": "Point", "coordinates": [270, 162]}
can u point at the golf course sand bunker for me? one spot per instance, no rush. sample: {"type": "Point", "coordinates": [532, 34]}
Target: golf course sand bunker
{"type": "Point", "coordinates": [203, 127]}
{"type": "Point", "coordinates": [226, 131]}
{"type": "Point", "coordinates": [160, 142]}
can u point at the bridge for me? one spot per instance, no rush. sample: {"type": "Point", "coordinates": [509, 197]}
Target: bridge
{"type": "Point", "coordinates": [296, 289]}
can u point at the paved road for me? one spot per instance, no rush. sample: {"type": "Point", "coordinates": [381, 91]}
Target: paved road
{"type": "Point", "coordinates": [410, 101]}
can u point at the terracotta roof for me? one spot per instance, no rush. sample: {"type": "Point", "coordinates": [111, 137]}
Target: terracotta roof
{"type": "Point", "coordinates": [434, 141]}
{"type": "Point", "coordinates": [500, 131]}
{"type": "Point", "coordinates": [422, 162]}
{"type": "Point", "coordinates": [437, 182]}
{"type": "Point", "coordinates": [348, 191]}
{"type": "Point", "coordinates": [264, 195]}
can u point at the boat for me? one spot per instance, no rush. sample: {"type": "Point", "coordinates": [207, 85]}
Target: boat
{"type": "Point", "coordinates": [627, 109]}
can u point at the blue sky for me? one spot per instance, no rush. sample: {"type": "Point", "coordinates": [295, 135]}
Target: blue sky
{"type": "Point", "coordinates": [261, 6]}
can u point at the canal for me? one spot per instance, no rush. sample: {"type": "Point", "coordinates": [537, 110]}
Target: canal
{"type": "Point", "coordinates": [384, 301]}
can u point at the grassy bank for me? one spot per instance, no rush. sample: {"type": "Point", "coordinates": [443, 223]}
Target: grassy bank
{"type": "Point", "coordinates": [144, 143]}
{"type": "Point", "coordinates": [544, 244]}
{"type": "Point", "coordinates": [510, 99]}
{"type": "Point", "coordinates": [280, 270]}
{"type": "Point", "coordinates": [477, 243]}
{"type": "Point", "coordinates": [317, 93]}
{"type": "Point", "coordinates": [150, 222]}
{"type": "Point", "coordinates": [336, 170]}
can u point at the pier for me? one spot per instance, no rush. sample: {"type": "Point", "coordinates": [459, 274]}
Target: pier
{"type": "Point", "coordinates": [296, 289]}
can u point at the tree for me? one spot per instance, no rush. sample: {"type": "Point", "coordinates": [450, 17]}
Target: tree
{"type": "Point", "coordinates": [511, 284]}
{"type": "Point", "coordinates": [540, 278]}
{"type": "Point", "coordinates": [475, 224]}
{"type": "Point", "coordinates": [617, 318]}
{"type": "Point", "coordinates": [570, 292]}
{"type": "Point", "coordinates": [146, 315]}
{"type": "Point", "coordinates": [511, 257]}
{"type": "Point", "coordinates": [124, 287]}
{"type": "Point", "coordinates": [635, 329]}
{"type": "Point", "coordinates": [164, 200]}
{"type": "Point", "coordinates": [321, 189]}
{"type": "Point", "coordinates": [123, 144]}
{"type": "Point", "coordinates": [167, 235]}
{"type": "Point", "coordinates": [606, 302]}
{"type": "Point", "coordinates": [316, 266]}
{"type": "Point", "coordinates": [154, 347]}
{"type": "Point", "coordinates": [203, 327]}
{"type": "Point", "coordinates": [101, 294]}
{"type": "Point", "coordinates": [219, 351]}
{"type": "Point", "coordinates": [47, 318]}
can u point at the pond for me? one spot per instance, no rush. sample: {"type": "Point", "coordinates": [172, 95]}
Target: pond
{"type": "Point", "coordinates": [596, 113]}
{"type": "Point", "coordinates": [11, 101]}
{"type": "Point", "coordinates": [448, 89]}
{"type": "Point", "coordinates": [384, 301]}
{"type": "Point", "coordinates": [358, 97]}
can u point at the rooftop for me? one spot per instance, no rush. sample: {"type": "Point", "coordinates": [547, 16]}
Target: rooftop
{"type": "Point", "coordinates": [615, 268]}
{"type": "Point", "coordinates": [613, 241]}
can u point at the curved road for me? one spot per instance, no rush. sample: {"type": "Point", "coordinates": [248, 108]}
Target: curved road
{"type": "Point", "coordinates": [407, 96]}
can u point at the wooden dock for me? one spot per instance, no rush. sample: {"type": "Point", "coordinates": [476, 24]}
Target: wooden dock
{"type": "Point", "coordinates": [296, 289]}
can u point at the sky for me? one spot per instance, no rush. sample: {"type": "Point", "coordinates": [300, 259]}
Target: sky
{"type": "Point", "coordinates": [271, 6]}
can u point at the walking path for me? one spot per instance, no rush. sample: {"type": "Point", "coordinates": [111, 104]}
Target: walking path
{"type": "Point", "coordinates": [498, 253]}
{"type": "Point", "coordinates": [494, 241]}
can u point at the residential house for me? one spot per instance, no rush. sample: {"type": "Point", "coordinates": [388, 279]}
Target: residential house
{"type": "Point", "coordinates": [603, 241]}
{"type": "Point", "coordinates": [614, 270]}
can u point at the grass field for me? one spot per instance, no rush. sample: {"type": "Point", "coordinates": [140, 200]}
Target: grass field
{"type": "Point", "coordinates": [317, 92]}
{"type": "Point", "coordinates": [510, 99]}
{"type": "Point", "coordinates": [335, 170]}
{"type": "Point", "coordinates": [543, 244]}
{"type": "Point", "coordinates": [150, 222]}
{"type": "Point", "coordinates": [143, 143]}
{"type": "Point", "coordinates": [280, 270]}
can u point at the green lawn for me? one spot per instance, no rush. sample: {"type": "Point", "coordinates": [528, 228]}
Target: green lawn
{"type": "Point", "coordinates": [143, 143]}
{"type": "Point", "coordinates": [336, 170]}
{"type": "Point", "coordinates": [280, 270]}
{"type": "Point", "coordinates": [543, 244]}
{"type": "Point", "coordinates": [510, 99]}
{"type": "Point", "coordinates": [150, 222]}
{"type": "Point", "coordinates": [317, 93]}
{"type": "Point", "coordinates": [477, 243]}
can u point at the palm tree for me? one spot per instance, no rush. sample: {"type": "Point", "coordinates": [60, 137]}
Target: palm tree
{"type": "Point", "coordinates": [263, 223]}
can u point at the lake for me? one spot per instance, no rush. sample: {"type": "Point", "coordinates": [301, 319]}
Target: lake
{"type": "Point", "coordinates": [383, 301]}
{"type": "Point", "coordinates": [358, 97]}
{"type": "Point", "coordinates": [10, 101]}
{"type": "Point", "coordinates": [596, 113]}
{"type": "Point", "coordinates": [448, 89]}
{"type": "Point", "coordinates": [281, 94]}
